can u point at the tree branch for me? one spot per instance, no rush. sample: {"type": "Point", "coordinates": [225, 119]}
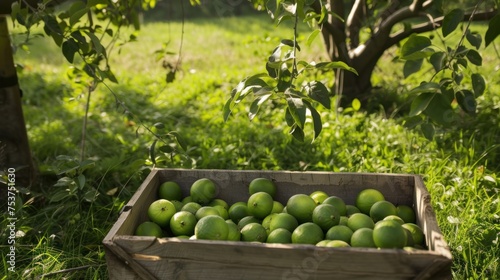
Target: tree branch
{"type": "Point", "coordinates": [333, 31]}
{"type": "Point", "coordinates": [397, 16]}
{"type": "Point", "coordinates": [393, 6]}
{"type": "Point", "coordinates": [355, 22]}
{"type": "Point", "coordinates": [431, 25]}
{"type": "Point", "coordinates": [418, 5]}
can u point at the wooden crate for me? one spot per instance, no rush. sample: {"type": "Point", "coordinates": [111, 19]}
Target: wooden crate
{"type": "Point", "coordinates": [133, 257]}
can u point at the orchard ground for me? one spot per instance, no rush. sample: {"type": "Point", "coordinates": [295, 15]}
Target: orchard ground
{"type": "Point", "coordinates": [459, 166]}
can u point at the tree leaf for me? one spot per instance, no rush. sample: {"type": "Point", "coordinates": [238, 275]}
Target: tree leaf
{"type": "Point", "coordinates": [316, 118]}
{"type": "Point", "coordinates": [458, 77]}
{"type": "Point", "coordinates": [297, 132]}
{"type": "Point", "coordinates": [478, 84]}
{"type": "Point", "coordinates": [255, 106]}
{"type": "Point", "coordinates": [69, 48]}
{"type": "Point", "coordinates": [111, 76]}
{"type": "Point", "coordinates": [92, 3]}
{"type": "Point", "coordinates": [335, 65]}
{"type": "Point", "coordinates": [467, 101]}
{"type": "Point", "coordinates": [438, 60]}
{"type": "Point", "coordinates": [78, 37]}
{"type": "Point", "coordinates": [319, 92]}
{"type": "Point", "coordinates": [53, 29]}
{"type": "Point", "coordinates": [51, 25]}
{"type": "Point", "coordinates": [97, 46]}
{"type": "Point", "coordinates": [474, 39]}
{"type": "Point", "coordinates": [462, 61]}
{"type": "Point", "coordinates": [312, 36]}
{"type": "Point", "coordinates": [288, 117]}
{"type": "Point", "coordinates": [439, 110]}
{"type": "Point", "coordinates": [451, 21]}
{"type": "Point", "coordinates": [412, 66]}
{"type": "Point", "coordinates": [356, 104]}
{"type": "Point", "coordinates": [226, 111]}
{"type": "Point", "coordinates": [152, 152]}
{"type": "Point", "coordinates": [15, 9]}
{"type": "Point", "coordinates": [474, 57]}
{"type": "Point", "coordinates": [290, 43]}
{"type": "Point", "coordinates": [427, 87]}
{"type": "Point", "coordinates": [166, 149]}
{"type": "Point", "coordinates": [179, 139]}
{"type": "Point", "coordinates": [297, 109]}
{"type": "Point", "coordinates": [428, 130]}
{"type": "Point", "coordinates": [284, 80]}
{"type": "Point", "coordinates": [412, 122]}
{"type": "Point", "coordinates": [414, 45]}
{"type": "Point", "coordinates": [81, 181]}
{"type": "Point", "coordinates": [420, 103]}
{"type": "Point", "coordinates": [461, 51]}
{"type": "Point", "coordinates": [447, 89]}
{"type": "Point", "coordinates": [289, 7]}
{"type": "Point", "coordinates": [170, 77]}
{"type": "Point", "coordinates": [77, 10]}
{"type": "Point", "coordinates": [493, 30]}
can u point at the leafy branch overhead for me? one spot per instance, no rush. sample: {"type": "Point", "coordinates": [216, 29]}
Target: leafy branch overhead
{"type": "Point", "coordinates": [356, 35]}
{"type": "Point", "coordinates": [280, 83]}
{"type": "Point", "coordinates": [86, 31]}
{"type": "Point", "coordinates": [434, 100]}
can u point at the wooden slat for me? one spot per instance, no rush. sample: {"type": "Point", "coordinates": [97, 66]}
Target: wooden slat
{"type": "Point", "coordinates": [279, 259]}
{"type": "Point", "coordinates": [428, 222]}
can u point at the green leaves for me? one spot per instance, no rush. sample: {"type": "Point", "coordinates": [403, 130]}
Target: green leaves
{"type": "Point", "coordinates": [493, 30]}
{"type": "Point", "coordinates": [69, 49]}
{"type": "Point", "coordinates": [478, 84]}
{"type": "Point", "coordinates": [435, 104]}
{"type": "Point", "coordinates": [77, 10]}
{"type": "Point", "coordinates": [77, 30]}
{"type": "Point", "coordinates": [451, 21]}
{"type": "Point", "coordinates": [279, 85]}
{"type": "Point", "coordinates": [416, 47]}
{"type": "Point", "coordinates": [412, 66]}
{"type": "Point", "coordinates": [474, 57]}
{"type": "Point", "coordinates": [474, 38]}
{"type": "Point", "coordinates": [318, 92]}
{"type": "Point", "coordinates": [296, 107]}
{"type": "Point", "coordinates": [420, 103]}
{"type": "Point", "coordinates": [467, 101]}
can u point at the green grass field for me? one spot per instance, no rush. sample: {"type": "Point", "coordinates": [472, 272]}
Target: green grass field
{"type": "Point", "coordinates": [64, 223]}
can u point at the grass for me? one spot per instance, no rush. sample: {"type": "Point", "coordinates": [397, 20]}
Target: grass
{"type": "Point", "coordinates": [64, 224]}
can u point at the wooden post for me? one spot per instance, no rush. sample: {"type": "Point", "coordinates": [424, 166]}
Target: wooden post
{"type": "Point", "coordinates": [14, 148]}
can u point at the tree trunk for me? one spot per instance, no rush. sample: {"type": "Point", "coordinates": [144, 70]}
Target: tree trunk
{"type": "Point", "coordinates": [14, 147]}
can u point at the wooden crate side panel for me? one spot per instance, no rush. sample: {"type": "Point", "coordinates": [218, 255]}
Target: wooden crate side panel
{"type": "Point", "coordinates": [117, 269]}
{"type": "Point", "coordinates": [138, 205]}
{"type": "Point", "coordinates": [189, 269]}
{"type": "Point", "coordinates": [121, 258]}
{"type": "Point", "coordinates": [199, 270]}
{"type": "Point", "coordinates": [119, 262]}
{"type": "Point", "coordinates": [427, 221]}
{"type": "Point", "coordinates": [157, 256]}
